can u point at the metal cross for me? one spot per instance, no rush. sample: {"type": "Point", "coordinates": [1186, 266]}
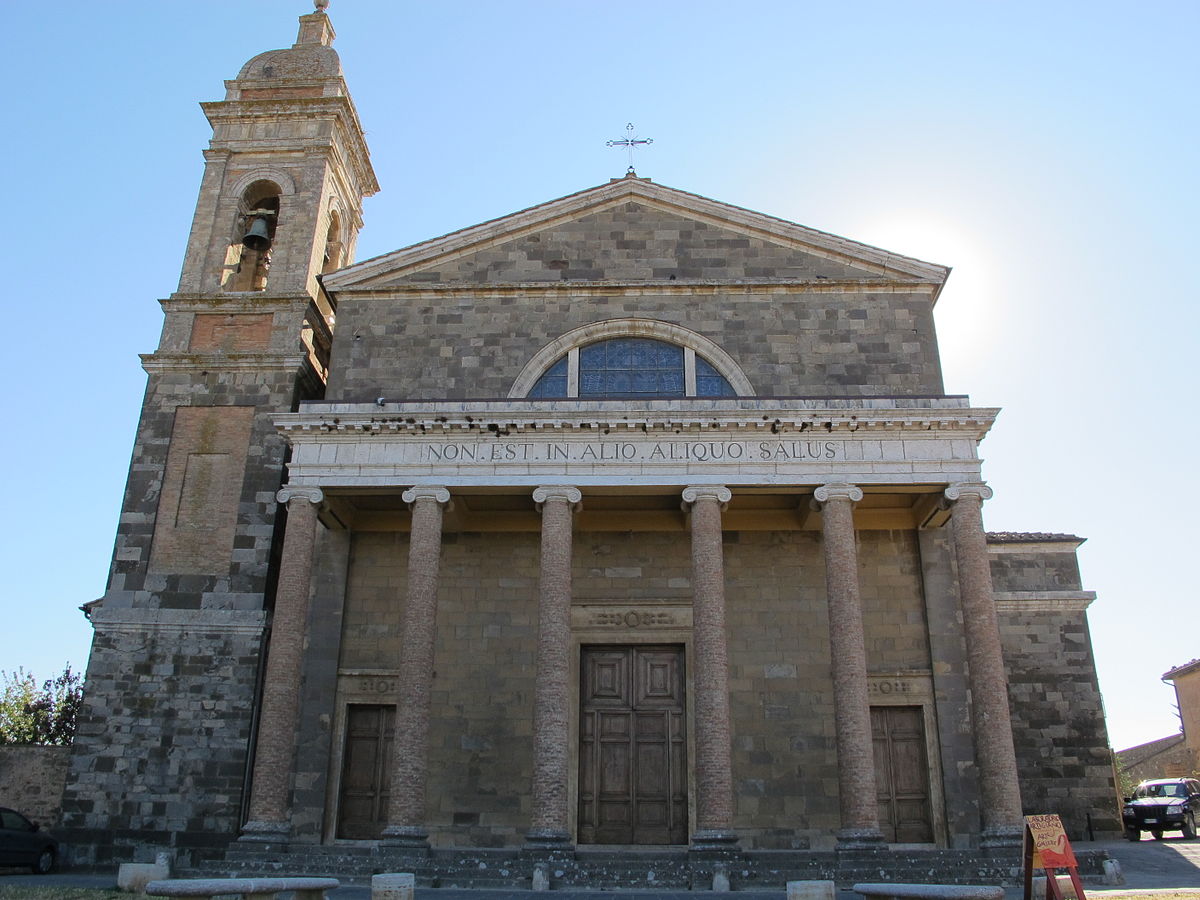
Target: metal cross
{"type": "Point", "coordinates": [630, 142]}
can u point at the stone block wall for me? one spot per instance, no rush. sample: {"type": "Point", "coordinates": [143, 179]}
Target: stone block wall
{"type": "Point", "coordinates": [1063, 757]}
{"type": "Point", "coordinates": [790, 340]}
{"type": "Point", "coordinates": [785, 766]}
{"type": "Point", "coordinates": [159, 760]}
{"type": "Point", "coordinates": [32, 779]}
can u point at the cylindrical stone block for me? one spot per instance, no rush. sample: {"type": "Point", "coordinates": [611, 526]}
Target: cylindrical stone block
{"type": "Point", "coordinates": [848, 659]}
{"type": "Point", "coordinates": [552, 692]}
{"type": "Point", "coordinates": [994, 752]}
{"type": "Point", "coordinates": [393, 886]}
{"type": "Point", "coordinates": [275, 749]}
{"type": "Point", "coordinates": [406, 809]}
{"type": "Point", "coordinates": [714, 772]}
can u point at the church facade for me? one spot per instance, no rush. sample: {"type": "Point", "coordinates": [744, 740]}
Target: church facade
{"type": "Point", "coordinates": [633, 518]}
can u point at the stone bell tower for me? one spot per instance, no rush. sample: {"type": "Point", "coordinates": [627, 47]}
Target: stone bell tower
{"type": "Point", "coordinates": [163, 747]}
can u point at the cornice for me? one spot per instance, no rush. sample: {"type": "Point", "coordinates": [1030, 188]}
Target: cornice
{"type": "Point", "coordinates": [685, 287]}
{"type": "Point", "coordinates": [1043, 601]}
{"type": "Point", "coordinates": [238, 302]}
{"type": "Point", "coordinates": [158, 363]}
{"type": "Point", "coordinates": [809, 419]}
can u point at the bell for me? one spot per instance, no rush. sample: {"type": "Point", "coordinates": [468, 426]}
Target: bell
{"type": "Point", "coordinates": [257, 238]}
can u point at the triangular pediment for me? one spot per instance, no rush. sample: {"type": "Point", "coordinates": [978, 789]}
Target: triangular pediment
{"type": "Point", "coordinates": [633, 230]}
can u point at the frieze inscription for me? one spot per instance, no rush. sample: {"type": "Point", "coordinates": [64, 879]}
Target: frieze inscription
{"type": "Point", "coordinates": [633, 451]}
{"type": "Point", "coordinates": [627, 618]}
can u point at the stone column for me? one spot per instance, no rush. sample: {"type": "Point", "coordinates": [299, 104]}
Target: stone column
{"type": "Point", "coordinates": [275, 749]}
{"type": "Point", "coordinates": [406, 810]}
{"type": "Point", "coordinates": [714, 769]}
{"type": "Point", "coordinates": [1000, 793]}
{"type": "Point", "coordinates": [551, 705]}
{"type": "Point", "coordinates": [848, 656]}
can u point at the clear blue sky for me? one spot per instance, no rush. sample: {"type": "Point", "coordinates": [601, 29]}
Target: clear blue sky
{"type": "Point", "coordinates": [1046, 151]}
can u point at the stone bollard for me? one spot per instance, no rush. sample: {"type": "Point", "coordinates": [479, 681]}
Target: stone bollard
{"type": "Point", "coordinates": [720, 879]}
{"type": "Point", "coordinates": [393, 886]}
{"type": "Point", "coordinates": [541, 877]}
{"type": "Point", "coordinates": [811, 890]}
{"type": "Point", "coordinates": [1113, 873]}
{"type": "Point", "coordinates": [133, 877]}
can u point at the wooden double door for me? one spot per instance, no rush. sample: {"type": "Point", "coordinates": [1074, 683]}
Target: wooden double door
{"type": "Point", "coordinates": [632, 746]}
{"type": "Point", "coordinates": [901, 774]}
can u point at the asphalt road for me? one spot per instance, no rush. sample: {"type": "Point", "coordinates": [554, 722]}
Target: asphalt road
{"type": "Point", "coordinates": [1147, 865]}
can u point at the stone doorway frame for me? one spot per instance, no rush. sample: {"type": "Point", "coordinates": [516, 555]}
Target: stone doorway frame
{"type": "Point", "coordinates": [620, 623]}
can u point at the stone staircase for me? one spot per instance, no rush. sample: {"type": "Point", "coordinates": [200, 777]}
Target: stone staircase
{"type": "Point", "coordinates": [625, 868]}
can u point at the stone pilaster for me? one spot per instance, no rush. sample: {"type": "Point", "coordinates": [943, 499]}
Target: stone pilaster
{"type": "Point", "coordinates": [714, 770]}
{"type": "Point", "coordinates": [994, 754]}
{"type": "Point", "coordinates": [406, 810]}
{"type": "Point", "coordinates": [275, 749]}
{"type": "Point", "coordinates": [551, 710]}
{"type": "Point", "coordinates": [848, 658]}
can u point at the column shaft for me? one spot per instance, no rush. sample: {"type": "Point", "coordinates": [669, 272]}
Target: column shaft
{"type": "Point", "coordinates": [997, 760]}
{"type": "Point", "coordinates": [276, 746]}
{"type": "Point", "coordinates": [418, 628]}
{"type": "Point", "coordinates": [848, 657]}
{"type": "Point", "coordinates": [714, 771]}
{"type": "Point", "coordinates": [551, 712]}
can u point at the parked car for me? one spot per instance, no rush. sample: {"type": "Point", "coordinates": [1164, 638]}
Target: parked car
{"type": "Point", "coordinates": [23, 843]}
{"type": "Point", "coordinates": [1164, 804]}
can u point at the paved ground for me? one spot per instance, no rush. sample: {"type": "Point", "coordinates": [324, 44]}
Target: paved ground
{"type": "Point", "coordinates": [1147, 865]}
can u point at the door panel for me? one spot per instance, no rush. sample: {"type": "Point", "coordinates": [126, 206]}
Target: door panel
{"type": "Point", "coordinates": [632, 746]}
{"type": "Point", "coordinates": [366, 771]}
{"type": "Point", "coordinates": [901, 773]}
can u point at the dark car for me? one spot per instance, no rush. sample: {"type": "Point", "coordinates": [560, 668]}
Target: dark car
{"type": "Point", "coordinates": [1164, 804]}
{"type": "Point", "coordinates": [23, 843]}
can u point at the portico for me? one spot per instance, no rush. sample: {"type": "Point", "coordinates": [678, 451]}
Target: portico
{"type": "Point", "coordinates": [686, 473]}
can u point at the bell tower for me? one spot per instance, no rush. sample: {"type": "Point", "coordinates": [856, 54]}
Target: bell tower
{"type": "Point", "coordinates": [246, 336]}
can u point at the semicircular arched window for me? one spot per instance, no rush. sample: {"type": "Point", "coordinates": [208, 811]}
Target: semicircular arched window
{"type": "Point", "coordinates": [629, 367]}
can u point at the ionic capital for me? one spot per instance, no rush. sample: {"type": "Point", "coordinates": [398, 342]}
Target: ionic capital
{"type": "Point", "coordinates": [838, 490]}
{"type": "Point", "coordinates": [570, 495]}
{"type": "Point", "coordinates": [289, 492]}
{"type": "Point", "coordinates": [969, 489]}
{"type": "Point", "coordinates": [434, 492]}
{"type": "Point", "coordinates": [695, 492]}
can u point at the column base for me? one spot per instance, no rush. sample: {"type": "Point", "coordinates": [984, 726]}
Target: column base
{"type": "Point", "coordinates": [713, 840]}
{"type": "Point", "coordinates": [548, 843]}
{"type": "Point", "coordinates": [412, 838]}
{"type": "Point", "coordinates": [260, 832]}
{"type": "Point", "coordinates": [860, 839]}
{"type": "Point", "coordinates": [1002, 837]}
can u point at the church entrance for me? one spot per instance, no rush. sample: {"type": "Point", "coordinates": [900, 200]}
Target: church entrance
{"type": "Point", "coordinates": [366, 771]}
{"type": "Point", "coordinates": [901, 774]}
{"type": "Point", "coordinates": [632, 746]}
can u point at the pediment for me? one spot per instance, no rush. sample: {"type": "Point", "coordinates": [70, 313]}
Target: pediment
{"type": "Point", "coordinates": [633, 230]}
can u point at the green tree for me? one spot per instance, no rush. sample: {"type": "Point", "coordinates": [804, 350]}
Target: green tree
{"type": "Point", "coordinates": [33, 715]}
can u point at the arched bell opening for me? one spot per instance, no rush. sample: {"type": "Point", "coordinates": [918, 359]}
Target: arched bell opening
{"type": "Point", "coordinates": [248, 262]}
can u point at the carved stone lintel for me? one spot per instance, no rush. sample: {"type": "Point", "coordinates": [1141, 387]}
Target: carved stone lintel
{"type": "Point", "coordinates": [695, 492]}
{"type": "Point", "coordinates": [433, 492]}
{"type": "Point", "coordinates": [558, 492]}
{"type": "Point", "coordinates": [311, 493]}
{"type": "Point", "coordinates": [969, 489]}
{"type": "Point", "coordinates": [838, 490]}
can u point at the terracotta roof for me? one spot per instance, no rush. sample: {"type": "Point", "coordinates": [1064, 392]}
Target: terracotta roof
{"type": "Point", "coordinates": [1031, 537]}
{"type": "Point", "coordinates": [1141, 752]}
{"type": "Point", "coordinates": [1182, 670]}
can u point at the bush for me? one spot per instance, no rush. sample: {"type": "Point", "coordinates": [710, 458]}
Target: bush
{"type": "Point", "coordinates": [33, 715]}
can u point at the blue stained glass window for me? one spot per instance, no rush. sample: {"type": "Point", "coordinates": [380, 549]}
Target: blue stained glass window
{"type": "Point", "coordinates": [553, 382]}
{"type": "Point", "coordinates": [631, 367]}
{"type": "Point", "coordinates": [710, 382]}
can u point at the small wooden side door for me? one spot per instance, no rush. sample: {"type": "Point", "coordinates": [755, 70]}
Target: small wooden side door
{"type": "Point", "coordinates": [901, 774]}
{"type": "Point", "coordinates": [632, 746]}
{"type": "Point", "coordinates": [366, 771]}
